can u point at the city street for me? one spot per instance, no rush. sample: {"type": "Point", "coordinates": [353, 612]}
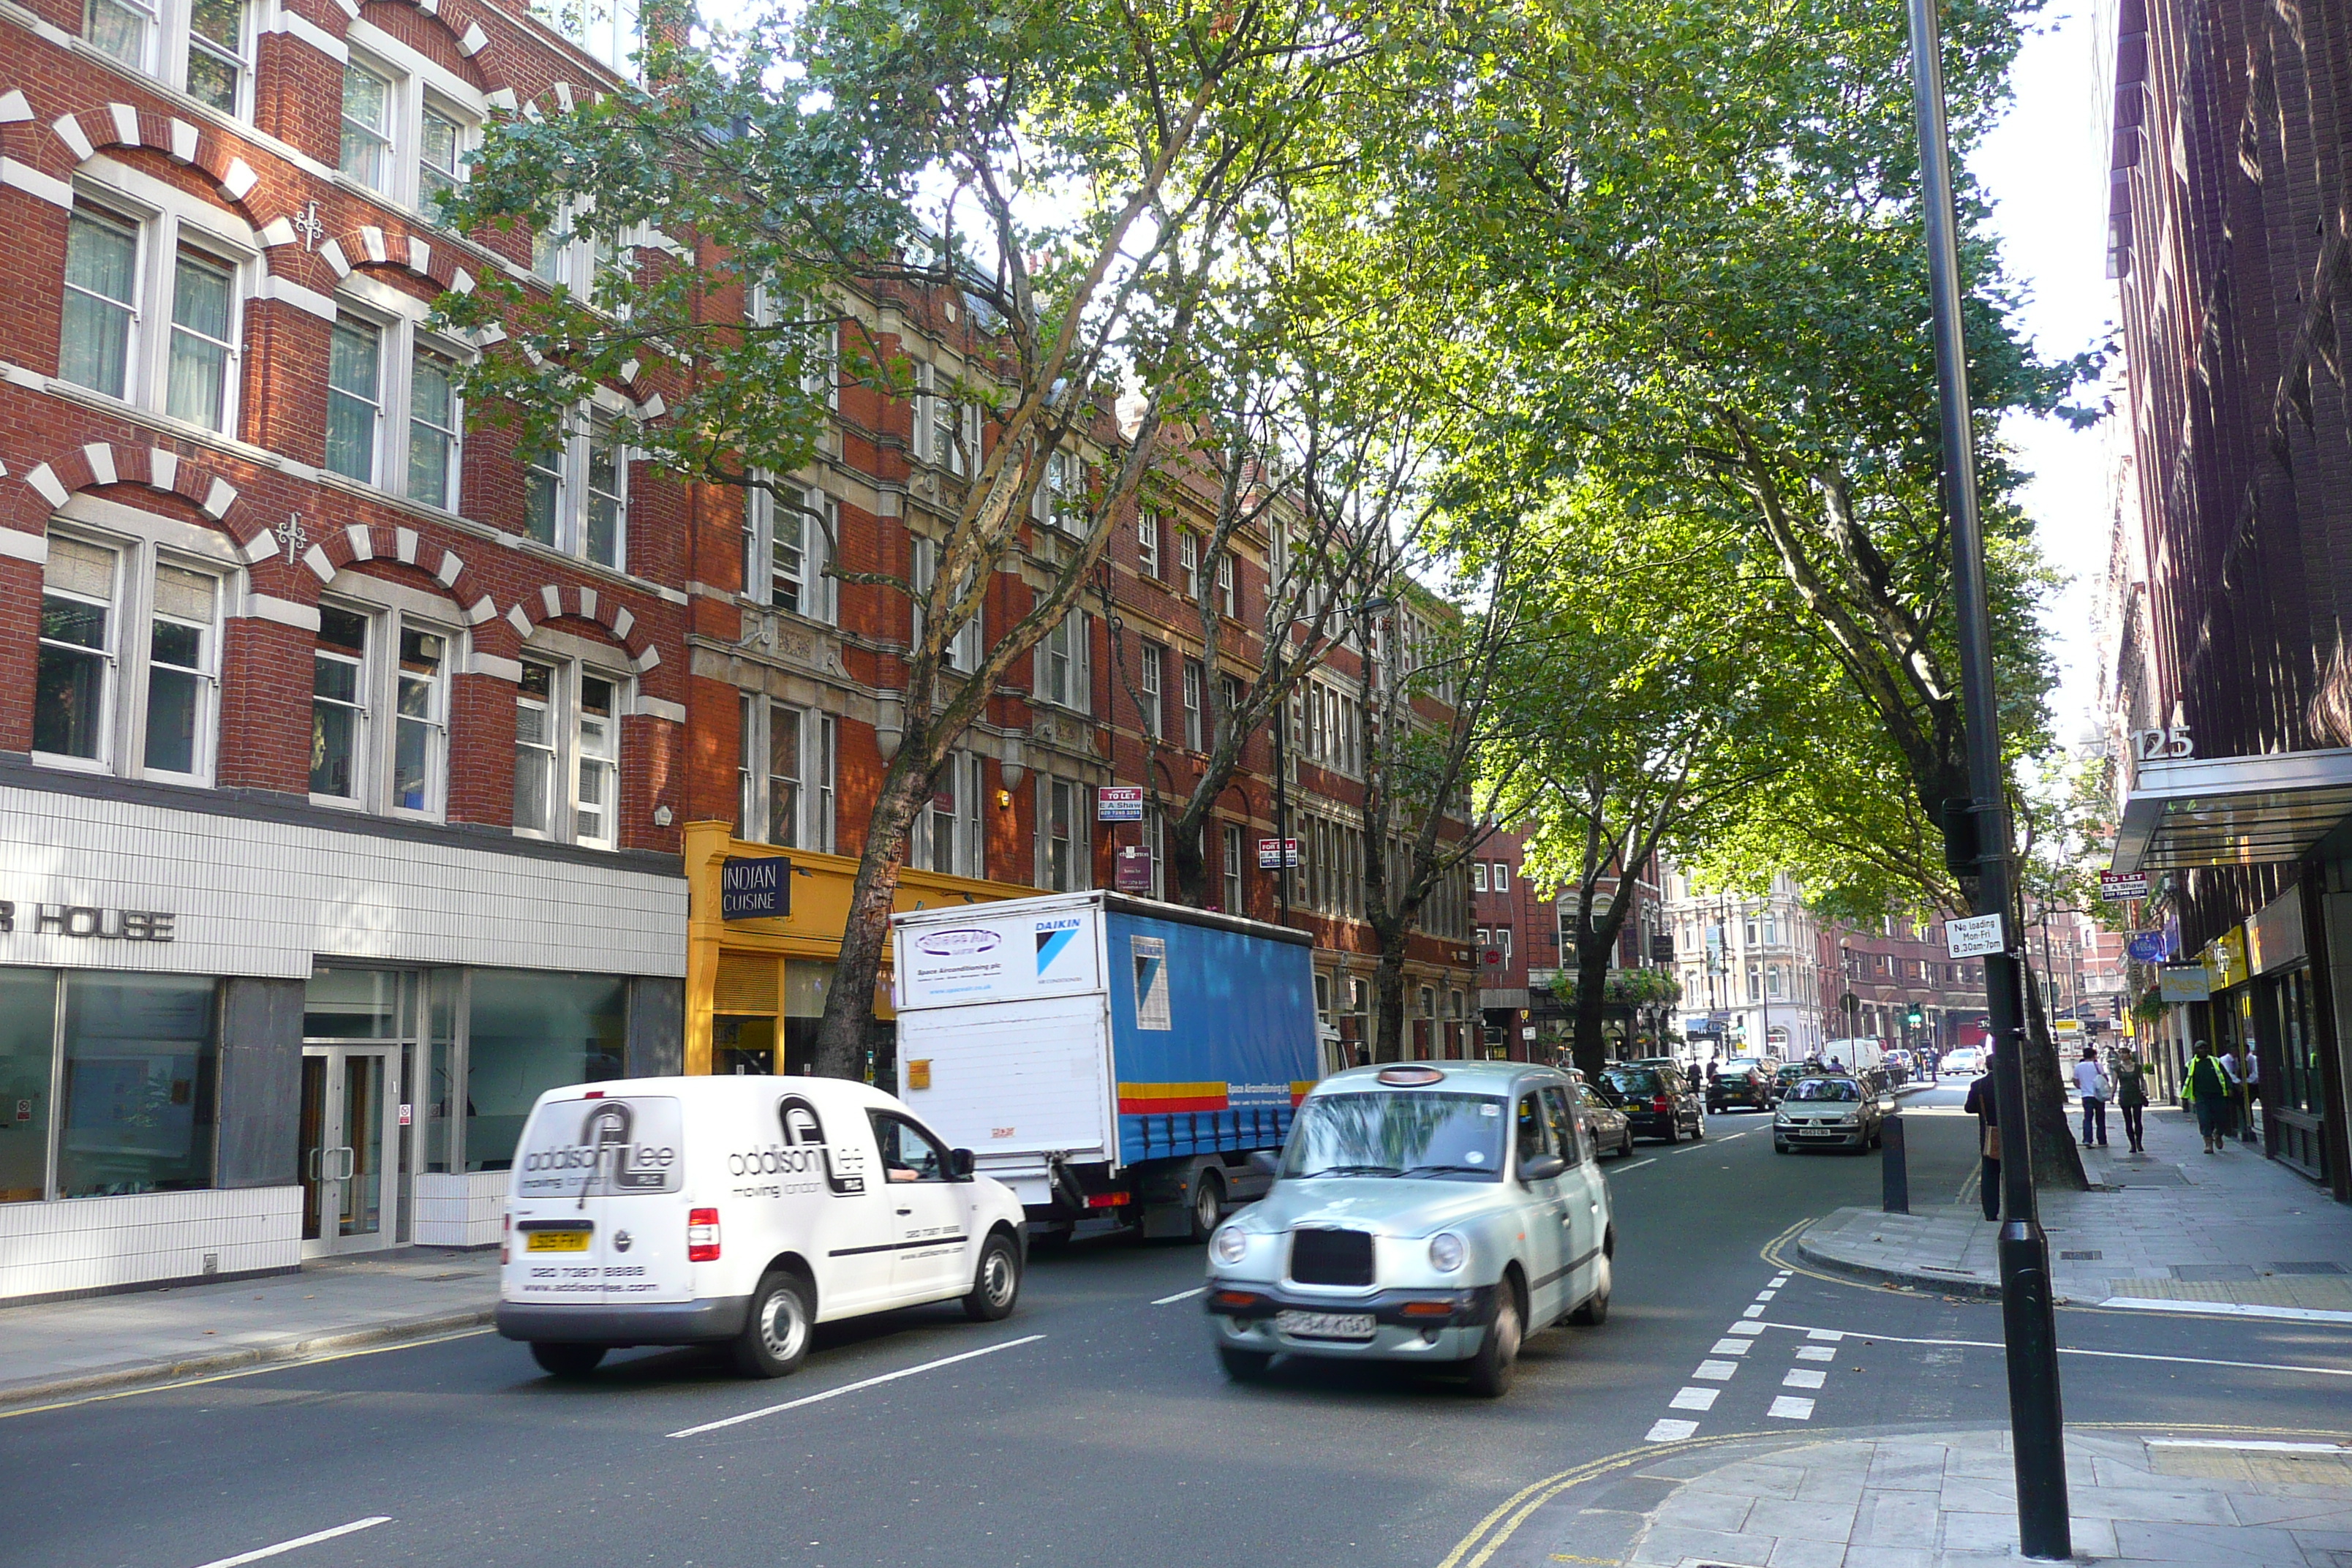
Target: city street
{"type": "Point", "coordinates": [1094, 1424]}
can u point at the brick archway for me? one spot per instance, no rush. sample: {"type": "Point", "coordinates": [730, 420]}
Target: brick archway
{"type": "Point", "coordinates": [101, 464]}
{"type": "Point", "coordinates": [370, 246]}
{"type": "Point", "coordinates": [464, 19]}
{"type": "Point", "coordinates": [344, 547]}
{"type": "Point", "coordinates": [553, 601]}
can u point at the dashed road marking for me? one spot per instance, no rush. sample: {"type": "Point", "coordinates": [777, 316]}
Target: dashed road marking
{"type": "Point", "coordinates": [1717, 1371]}
{"type": "Point", "coordinates": [1664, 1430]}
{"type": "Point", "coordinates": [301, 1540]}
{"type": "Point", "coordinates": [1753, 1313]}
{"type": "Point", "coordinates": [1831, 1336]}
{"type": "Point", "coordinates": [1817, 1353]}
{"type": "Point", "coordinates": [1789, 1407]}
{"type": "Point", "coordinates": [1747, 1328]}
{"type": "Point", "coordinates": [1766, 1295]}
{"type": "Point", "coordinates": [1180, 1296]}
{"type": "Point", "coordinates": [1693, 1399]}
{"type": "Point", "coordinates": [1803, 1377]}
{"type": "Point", "coordinates": [854, 1387]}
{"type": "Point", "coordinates": [1637, 1164]}
{"type": "Point", "coordinates": [1731, 1347]}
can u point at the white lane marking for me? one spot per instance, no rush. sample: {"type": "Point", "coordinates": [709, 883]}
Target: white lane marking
{"type": "Point", "coordinates": [1753, 1313]}
{"type": "Point", "coordinates": [1779, 1280]}
{"type": "Point", "coordinates": [2230, 1308]}
{"type": "Point", "coordinates": [1637, 1164]}
{"type": "Point", "coordinates": [300, 1541]}
{"type": "Point", "coordinates": [1180, 1296]}
{"type": "Point", "coordinates": [853, 1387]}
{"type": "Point", "coordinates": [1789, 1407]}
{"type": "Point", "coordinates": [1729, 1136]}
{"type": "Point", "coordinates": [1766, 1295]}
{"type": "Point", "coordinates": [1717, 1371]}
{"type": "Point", "coordinates": [2063, 1350]}
{"type": "Point", "coordinates": [1693, 1399]}
{"type": "Point", "coordinates": [1666, 1430]}
{"type": "Point", "coordinates": [1817, 1353]}
{"type": "Point", "coordinates": [1803, 1377]}
{"type": "Point", "coordinates": [1731, 1347]}
{"type": "Point", "coordinates": [1746, 1329]}
{"type": "Point", "coordinates": [2247, 1445]}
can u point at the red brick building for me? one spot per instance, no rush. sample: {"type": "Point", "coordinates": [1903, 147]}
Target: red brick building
{"type": "Point", "coordinates": [1526, 935]}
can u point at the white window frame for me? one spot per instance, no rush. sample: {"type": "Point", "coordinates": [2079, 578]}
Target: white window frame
{"type": "Point", "coordinates": [1147, 543]}
{"type": "Point", "coordinates": [812, 827]}
{"type": "Point", "coordinates": [1188, 563]}
{"type": "Point", "coordinates": [1151, 699]}
{"type": "Point", "coordinates": [1081, 835]}
{"type": "Point", "coordinates": [1478, 877]}
{"type": "Point", "coordinates": [964, 854]}
{"type": "Point", "coordinates": [390, 612]}
{"type": "Point", "coordinates": [167, 40]}
{"type": "Point", "coordinates": [946, 432]}
{"type": "Point", "coordinates": [1502, 876]}
{"type": "Point", "coordinates": [414, 84]}
{"type": "Point", "coordinates": [611, 31]}
{"type": "Point", "coordinates": [1062, 676]}
{"type": "Point", "coordinates": [1060, 496]}
{"type": "Point", "coordinates": [1234, 891]}
{"type": "Point", "coordinates": [568, 673]}
{"type": "Point", "coordinates": [126, 659]}
{"type": "Point", "coordinates": [1228, 596]}
{"type": "Point", "coordinates": [570, 467]}
{"type": "Point", "coordinates": [1155, 841]}
{"type": "Point", "coordinates": [164, 222]}
{"type": "Point", "coordinates": [807, 529]}
{"type": "Point", "coordinates": [400, 340]}
{"type": "Point", "coordinates": [963, 648]}
{"type": "Point", "coordinates": [1196, 715]}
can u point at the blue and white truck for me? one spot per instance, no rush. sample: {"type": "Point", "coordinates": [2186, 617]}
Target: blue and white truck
{"type": "Point", "coordinates": [1106, 1056]}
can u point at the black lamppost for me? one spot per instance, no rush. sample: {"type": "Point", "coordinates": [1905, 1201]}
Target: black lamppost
{"type": "Point", "coordinates": [2037, 1424]}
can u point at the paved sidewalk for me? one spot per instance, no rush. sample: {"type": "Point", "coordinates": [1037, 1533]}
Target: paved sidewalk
{"type": "Point", "coordinates": [60, 1348]}
{"type": "Point", "coordinates": [2174, 1228]}
{"type": "Point", "coordinates": [1948, 1499]}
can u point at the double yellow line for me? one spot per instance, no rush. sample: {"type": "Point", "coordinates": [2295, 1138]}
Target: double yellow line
{"type": "Point", "coordinates": [1490, 1532]}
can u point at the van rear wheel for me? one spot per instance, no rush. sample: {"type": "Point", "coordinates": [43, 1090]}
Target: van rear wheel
{"type": "Point", "coordinates": [561, 1360]}
{"type": "Point", "coordinates": [996, 1283]}
{"type": "Point", "coordinates": [775, 1336]}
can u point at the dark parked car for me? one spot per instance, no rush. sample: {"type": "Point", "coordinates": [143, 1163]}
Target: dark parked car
{"type": "Point", "coordinates": [1610, 1130]}
{"type": "Point", "coordinates": [1658, 1101]}
{"type": "Point", "coordinates": [1747, 1082]}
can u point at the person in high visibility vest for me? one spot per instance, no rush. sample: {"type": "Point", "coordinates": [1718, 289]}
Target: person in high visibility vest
{"type": "Point", "coordinates": [2206, 1087]}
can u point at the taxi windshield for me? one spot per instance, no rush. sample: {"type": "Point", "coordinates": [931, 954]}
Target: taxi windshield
{"type": "Point", "coordinates": [1456, 1137]}
{"type": "Point", "coordinates": [1827, 1088]}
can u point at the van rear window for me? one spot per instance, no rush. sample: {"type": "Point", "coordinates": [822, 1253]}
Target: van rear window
{"type": "Point", "coordinates": [615, 1145]}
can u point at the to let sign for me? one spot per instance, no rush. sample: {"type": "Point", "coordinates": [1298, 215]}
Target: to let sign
{"type": "Point", "coordinates": [1974, 937]}
{"type": "Point", "coordinates": [1118, 802]}
{"type": "Point", "coordinates": [755, 889]}
{"type": "Point", "coordinates": [2118, 886]}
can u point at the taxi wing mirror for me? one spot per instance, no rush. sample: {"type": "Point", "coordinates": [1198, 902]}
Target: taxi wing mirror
{"type": "Point", "coordinates": [1262, 1161]}
{"type": "Point", "coordinates": [1885, 1102]}
{"type": "Point", "coordinates": [1542, 1168]}
{"type": "Point", "coordinates": [959, 1161]}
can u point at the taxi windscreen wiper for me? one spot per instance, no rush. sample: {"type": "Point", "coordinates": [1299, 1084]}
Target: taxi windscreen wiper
{"type": "Point", "coordinates": [1353, 1171]}
{"type": "Point", "coordinates": [1444, 1170]}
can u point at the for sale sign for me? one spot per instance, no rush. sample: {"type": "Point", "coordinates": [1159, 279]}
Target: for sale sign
{"type": "Point", "coordinates": [1276, 852]}
{"type": "Point", "coordinates": [2115, 887]}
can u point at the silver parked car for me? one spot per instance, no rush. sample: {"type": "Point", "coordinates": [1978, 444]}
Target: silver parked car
{"type": "Point", "coordinates": [1830, 1111]}
{"type": "Point", "coordinates": [1422, 1212]}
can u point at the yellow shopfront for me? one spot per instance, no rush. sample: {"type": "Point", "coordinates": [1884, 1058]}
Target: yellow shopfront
{"type": "Point", "coordinates": [756, 988]}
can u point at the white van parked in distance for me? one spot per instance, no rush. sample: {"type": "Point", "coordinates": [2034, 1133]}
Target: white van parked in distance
{"type": "Point", "coordinates": [740, 1211]}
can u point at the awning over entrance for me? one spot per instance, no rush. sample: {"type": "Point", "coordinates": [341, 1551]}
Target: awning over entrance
{"type": "Point", "coordinates": [2232, 811]}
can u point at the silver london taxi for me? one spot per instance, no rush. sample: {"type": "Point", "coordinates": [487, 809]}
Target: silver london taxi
{"type": "Point", "coordinates": [1430, 1212]}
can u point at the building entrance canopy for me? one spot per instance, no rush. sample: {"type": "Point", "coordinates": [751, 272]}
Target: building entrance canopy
{"type": "Point", "coordinates": [2233, 811]}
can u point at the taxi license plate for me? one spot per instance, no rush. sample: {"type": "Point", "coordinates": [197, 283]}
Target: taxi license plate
{"type": "Point", "coordinates": [1324, 1325]}
{"type": "Point", "coordinates": [555, 1241]}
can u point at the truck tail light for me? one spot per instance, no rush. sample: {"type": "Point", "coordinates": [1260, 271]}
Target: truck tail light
{"type": "Point", "coordinates": [702, 1236]}
{"type": "Point", "coordinates": [506, 1239]}
{"type": "Point", "coordinates": [1108, 1200]}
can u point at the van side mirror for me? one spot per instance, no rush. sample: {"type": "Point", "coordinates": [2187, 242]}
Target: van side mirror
{"type": "Point", "coordinates": [1263, 1163]}
{"type": "Point", "coordinates": [959, 1161]}
{"type": "Point", "coordinates": [1542, 1168]}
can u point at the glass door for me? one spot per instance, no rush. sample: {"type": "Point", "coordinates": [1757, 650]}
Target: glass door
{"type": "Point", "coordinates": [349, 1187]}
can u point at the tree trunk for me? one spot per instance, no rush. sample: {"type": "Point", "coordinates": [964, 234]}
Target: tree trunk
{"type": "Point", "coordinates": [849, 1003]}
{"type": "Point", "coordinates": [1387, 998]}
{"type": "Point", "coordinates": [1188, 868]}
{"type": "Point", "coordinates": [1592, 1048]}
{"type": "Point", "coordinates": [2057, 1164]}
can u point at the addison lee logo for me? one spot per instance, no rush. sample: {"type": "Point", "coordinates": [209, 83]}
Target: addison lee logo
{"type": "Point", "coordinates": [609, 1154]}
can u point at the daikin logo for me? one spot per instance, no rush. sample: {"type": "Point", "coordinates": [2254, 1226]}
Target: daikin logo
{"type": "Point", "coordinates": [1054, 937]}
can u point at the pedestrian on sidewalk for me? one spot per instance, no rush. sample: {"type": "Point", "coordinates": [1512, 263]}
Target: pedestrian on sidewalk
{"type": "Point", "coordinates": [2206, 1089]}
{"type": "Point", "coordinates": [2091, 1085]}
{"type": "Point", "coordinates": [1979, 1104]}
{"type": "Point", "coordinates": [2131, 1099]}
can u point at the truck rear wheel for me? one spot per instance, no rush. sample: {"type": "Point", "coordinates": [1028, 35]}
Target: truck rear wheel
{"type": "Point", "coordinates": [775, 1336]}
{"type": "Point", "coordinates": [1208, 1203]}
{"type": "Point", "coordinates": [562, 1359]}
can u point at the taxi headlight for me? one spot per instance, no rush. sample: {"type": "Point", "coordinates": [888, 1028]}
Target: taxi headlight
{"type": "Point", "coordinates": [1446, 1252]}
{"type": "Point", "coordinates": [1230, 1244]}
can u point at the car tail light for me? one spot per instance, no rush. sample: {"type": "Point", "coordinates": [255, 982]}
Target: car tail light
{"type": "Point", "coordinates": [702, 1236]}
{"type": "Point", "coordinates": [1662, 1103]}
{"type": "Point", "coordinates": [506, 1239]}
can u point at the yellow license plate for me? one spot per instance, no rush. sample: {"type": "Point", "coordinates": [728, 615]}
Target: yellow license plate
{"type": "Point", "coordinates": [555, 1241]}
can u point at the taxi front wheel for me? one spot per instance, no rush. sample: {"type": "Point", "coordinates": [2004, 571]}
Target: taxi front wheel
{"type": "Point", "coordinates": [1498, 1351]}
{"type": "Point", "coordinates": [1243, 1366]}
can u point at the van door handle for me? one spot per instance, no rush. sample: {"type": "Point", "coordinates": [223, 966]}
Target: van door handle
{"type": "Point", "coordinates": [905, 1211]}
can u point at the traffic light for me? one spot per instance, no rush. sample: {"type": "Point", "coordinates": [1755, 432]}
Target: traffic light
{"type": "Point", "coordinates": [1915, 1017]}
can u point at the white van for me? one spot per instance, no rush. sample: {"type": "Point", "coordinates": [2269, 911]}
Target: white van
{"type": "Point", "coordinates": [674, 1211]}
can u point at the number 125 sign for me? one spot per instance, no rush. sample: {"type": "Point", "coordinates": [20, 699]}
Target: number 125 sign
{"type": "Point", "coordinates": [2162, 746]}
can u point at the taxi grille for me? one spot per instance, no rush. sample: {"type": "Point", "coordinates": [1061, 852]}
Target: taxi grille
{"type": "Point", "coordinates": [1331, 1256]}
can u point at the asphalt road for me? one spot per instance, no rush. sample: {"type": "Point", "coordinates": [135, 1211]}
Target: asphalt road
{"type": "Point", "coordinates": [1093, 1427]}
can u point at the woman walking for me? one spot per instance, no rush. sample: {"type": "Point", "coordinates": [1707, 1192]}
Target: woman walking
{"type": "Point", "coordinates": [2206, 1089]}
{"type": "Point", "coordinates": [2131, 1097]}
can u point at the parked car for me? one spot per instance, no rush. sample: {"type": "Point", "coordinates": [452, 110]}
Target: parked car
{"type": "Point", "coordinates": [1786, 1075]}
{"type": "Point", "coordinates": [1828, 1112]}
{"type": "Point", "coordinates": [1749, 1081]}
{"type": "Point", "coordinates": [739, 1212]}
{"type": "Point", "coordinates": [1658, 1101]}
{"type": "Point", "coordinates": [1610, 1130]}
{"type": "Point", "coordinates": [1421, 1211]}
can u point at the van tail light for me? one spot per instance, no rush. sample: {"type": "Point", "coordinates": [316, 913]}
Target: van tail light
{"type": "Point", "coordinates": [506, 1239]}
{"type": "Point", "coordinates": [702, 1236]}
{"type": "Point", "coordinates": [1662, 1103]}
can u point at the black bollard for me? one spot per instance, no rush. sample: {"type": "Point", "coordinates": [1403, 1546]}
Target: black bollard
{"type": "Point", "coordinates": [1895, 1172]}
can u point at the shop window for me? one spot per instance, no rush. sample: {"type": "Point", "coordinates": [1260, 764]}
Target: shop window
{"type": "Point", "coordinates": [138, 1097]}
{"type": "Point", "coordinates": [28, 1019]}
{"type": "Point", "coordinates": [526, 1033]}
{"type": "Point", "coordinates": [568, 753]}
{"type": "Point", "coordinates": [787, 540]}
{"type": "Point", "coordinates": [123, 272]}
{"type": "Point", "coordinates": [127, 675]}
